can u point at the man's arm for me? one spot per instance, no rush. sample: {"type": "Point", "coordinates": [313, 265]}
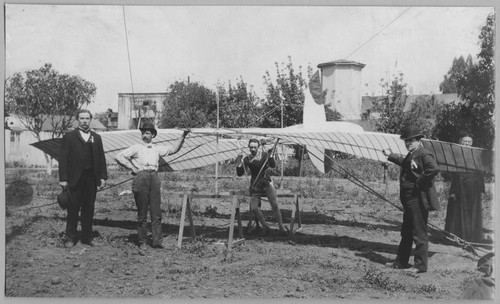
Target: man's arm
{"type": "Point", "coordinates": [63, 162]}
{"type": "Point", "coordinates": [179, 144]}
{"type": "Point", "coordinates": [429, 170]}
{"type": "Point", "coordinates": [271, 161]}
{"type": "Point", "coordinates": [124, 158]}
{"type": "Point", "coordinates": [240, 165]}
{"type": "Point", "coordinates": [102, 164]}
{"type": "Point", "coordinates": [393, 157]}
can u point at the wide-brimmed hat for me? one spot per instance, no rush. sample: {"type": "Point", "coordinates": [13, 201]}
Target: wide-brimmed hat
{"type": "Point", "coordinates": [149, 126]}
{"type": "Point", "coordinates": [64, 199]}
{"type": "Point", "coordinates": [411, 132]}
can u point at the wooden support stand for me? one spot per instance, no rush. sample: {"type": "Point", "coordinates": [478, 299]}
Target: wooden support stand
{"type": "Point", "coordinates": [295, 216]}
{"type": "Point", "coordinates": [235, 214]}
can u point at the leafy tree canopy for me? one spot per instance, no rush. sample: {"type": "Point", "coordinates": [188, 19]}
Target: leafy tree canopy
{"type": "Point", "coordinates": [396, 112]}
{"type": "Point", "coordinates": [238, 106]}
{"type": "Point", "coordinates": [475, 87]}
{"type": "Point", "coordinates": [287, 90]}
{"type": "Point", "coordinates": [189, 105]}
{"type": "Point", "coordinates": [458, 67]}
{"type": "Point", "coordinates": [43, 95]}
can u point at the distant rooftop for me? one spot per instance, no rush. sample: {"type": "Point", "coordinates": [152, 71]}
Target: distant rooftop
{"type": "Point", "coordinates": [341, 62]}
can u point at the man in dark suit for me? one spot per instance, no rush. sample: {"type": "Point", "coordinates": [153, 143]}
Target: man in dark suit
{"type": "Point", "coordinates": [82, 168]}
{"type": "Point", "coordinates": [418, 196]}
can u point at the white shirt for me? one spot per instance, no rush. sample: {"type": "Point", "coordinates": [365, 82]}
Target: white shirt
{"type": "Point", "coordinates": [84, 135]}
{"type": "Point", "coordinates": [144, 156]}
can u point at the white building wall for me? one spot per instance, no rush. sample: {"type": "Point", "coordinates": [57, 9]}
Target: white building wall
{"type": "Point", "coordinates": [342, 81]}
{"type": "Point", "coordinates": [18, 150]}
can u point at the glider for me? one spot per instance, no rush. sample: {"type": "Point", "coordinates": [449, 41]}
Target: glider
{"type": "Point", "coordinates": [206, 146]}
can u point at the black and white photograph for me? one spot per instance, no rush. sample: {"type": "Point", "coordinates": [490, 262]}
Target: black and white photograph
{"type": "Point", "coordinates": [249, 151]}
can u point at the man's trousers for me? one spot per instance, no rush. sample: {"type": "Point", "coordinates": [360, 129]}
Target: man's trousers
{"type": "Point", "coordinates": [146, 188]}
{"type": "Point", "coordinates": [83, 196]}
{"type": "Point", "coordinates": [413, 230]}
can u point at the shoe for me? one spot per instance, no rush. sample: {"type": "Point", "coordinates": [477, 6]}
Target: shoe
{"type": "Point", "coordinates": [251, 229]}
{"type": "Point", "coordinates": [284, 231]}
{"type": "Point", "coordinates": [92, 243]}
{"type": "Point", "coordinates": [414, 270]}
{"type": "Point", "coordinates": [142, 249]}
{"type": "Point", "coordinates": [160, 246]}
{"type": "Point", "coordinates": [395, 265]}
{"type": "Point", "coordinates": [265, 231]}
{"type": "Point", "coordinates": [69, 244]}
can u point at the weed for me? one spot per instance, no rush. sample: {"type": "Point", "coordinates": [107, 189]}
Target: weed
{"type": "Point", "coordinates": [378, 279]}
{"type": "Point", "coordinates": [428, 288]}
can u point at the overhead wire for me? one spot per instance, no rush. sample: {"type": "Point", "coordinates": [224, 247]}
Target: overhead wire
{"type": "Point", "coordinates": [377, 33]}
{"type": "Point", "coordinates": [128, 56]}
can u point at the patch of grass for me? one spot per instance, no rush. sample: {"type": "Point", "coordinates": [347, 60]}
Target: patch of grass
{"type": "Point", "coordinates": [378, 279]}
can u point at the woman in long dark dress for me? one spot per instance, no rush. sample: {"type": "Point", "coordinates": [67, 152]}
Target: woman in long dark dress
{"type": "Point", "coordinates": [464, 212]}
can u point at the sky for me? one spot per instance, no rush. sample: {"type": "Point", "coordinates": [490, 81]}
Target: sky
{"type": "Point", "coordinates": [218, 44]}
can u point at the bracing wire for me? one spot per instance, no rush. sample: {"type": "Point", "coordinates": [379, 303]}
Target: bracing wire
{"type": "Point", "coordinates": [377, 33]}
{"type": "Point", "coordinates": [448, 235]}
{"type": "Point", "coordinates": [128, 55]}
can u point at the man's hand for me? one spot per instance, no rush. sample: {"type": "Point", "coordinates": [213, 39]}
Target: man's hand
{"type": "Point", "coordinates": [271, 152]}
{"type": "Point", "coordinates": [239, 161]}
{"type": "Point", "coordinates": [63, 184]}
{"type": "Point", "coordinates": [103, 183]}
{"type": "Point", "coordinates": [387, 152]}
{"type": "Point", "coordinates": [134, 171]}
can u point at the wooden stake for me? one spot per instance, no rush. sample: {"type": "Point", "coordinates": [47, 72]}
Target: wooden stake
{"type": "Point", "coordinates": [183, 218]}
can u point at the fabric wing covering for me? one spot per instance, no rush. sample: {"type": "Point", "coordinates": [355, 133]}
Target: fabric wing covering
{"type": "Point", "coordinates": [450, 157]}
{"type": "Point", "coordinates": [202, 148]}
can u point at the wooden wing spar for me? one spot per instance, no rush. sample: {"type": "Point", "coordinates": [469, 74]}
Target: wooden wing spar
{"type": "Point", "coordinates": [204, 147]}
{"type": "Point", "coordinates": [449, 156]}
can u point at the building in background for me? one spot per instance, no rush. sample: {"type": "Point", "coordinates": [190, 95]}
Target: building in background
{"type": "Point", "coordinates": [341, 79]}
{"type": "Point", "coordinates": [133, 107]}
{"type": "Point", "coordinates": [18, 140]}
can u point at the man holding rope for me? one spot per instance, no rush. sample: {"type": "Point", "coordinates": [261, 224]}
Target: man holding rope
{"type": "Point", "coordinates": [142, 160]}
{"type": "Point", "coordinates": [418, 196]}
{"type": "Point", "coordinates": [260, 183]}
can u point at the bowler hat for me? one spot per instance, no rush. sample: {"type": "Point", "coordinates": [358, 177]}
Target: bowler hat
{"type": "Point", "coordinates": [148, 126]}
{"type": "Point", "coordinates": [410, 132]}
{"type": "Point", "coordinates": [64, 199]}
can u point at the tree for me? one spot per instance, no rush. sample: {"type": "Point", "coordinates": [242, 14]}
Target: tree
{"type": "Point", "coordinates": [332, 115]}
{"type": "Point", "coordinates": [189, 105]}
{"type": "Point", "coordinates": [391, 107]}
{"type": "Point", "coordinates": [238, 106]}
{"type": "Point", "coordinates": [287, 90]}
{"type": "Point", "coordinates": [396, 112]}
{"type": "Point", "coordinates": [45, 96]}
{"type": "Point", "coordinates": [458, 67]}
{"type": "Point", "coordinates": [475, 87]}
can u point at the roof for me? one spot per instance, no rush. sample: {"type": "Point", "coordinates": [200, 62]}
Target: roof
{"type": "Point", "coordinates": [16, 125]}
{"type": "Point", "coordinates": [341, 62]}
{"type": "Point", "coordinates": [95, 124]}
{"type": "Point", "coordinates": [367, 101]}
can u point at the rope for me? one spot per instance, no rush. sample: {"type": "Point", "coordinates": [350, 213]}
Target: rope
{"type": "Point", "coordinates": [448, 235]}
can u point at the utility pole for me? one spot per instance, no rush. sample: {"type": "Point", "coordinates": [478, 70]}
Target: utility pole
{"type": "Point", "coordinates": [282, 156]}
{"type": "Point", "coordinates": [217, 145]}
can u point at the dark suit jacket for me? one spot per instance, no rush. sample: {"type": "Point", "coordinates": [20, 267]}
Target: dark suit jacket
{"type": "Point", "coordinates": [425, 173]}
{"type": "Point", "coordinates": [71, 158]}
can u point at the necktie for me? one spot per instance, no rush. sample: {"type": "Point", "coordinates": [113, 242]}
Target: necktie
{"type": "Point", "coordinates": [85, 131]}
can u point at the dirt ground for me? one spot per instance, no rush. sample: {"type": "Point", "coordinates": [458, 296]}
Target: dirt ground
{"type": "Point", "coordinates": [346, 238]}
